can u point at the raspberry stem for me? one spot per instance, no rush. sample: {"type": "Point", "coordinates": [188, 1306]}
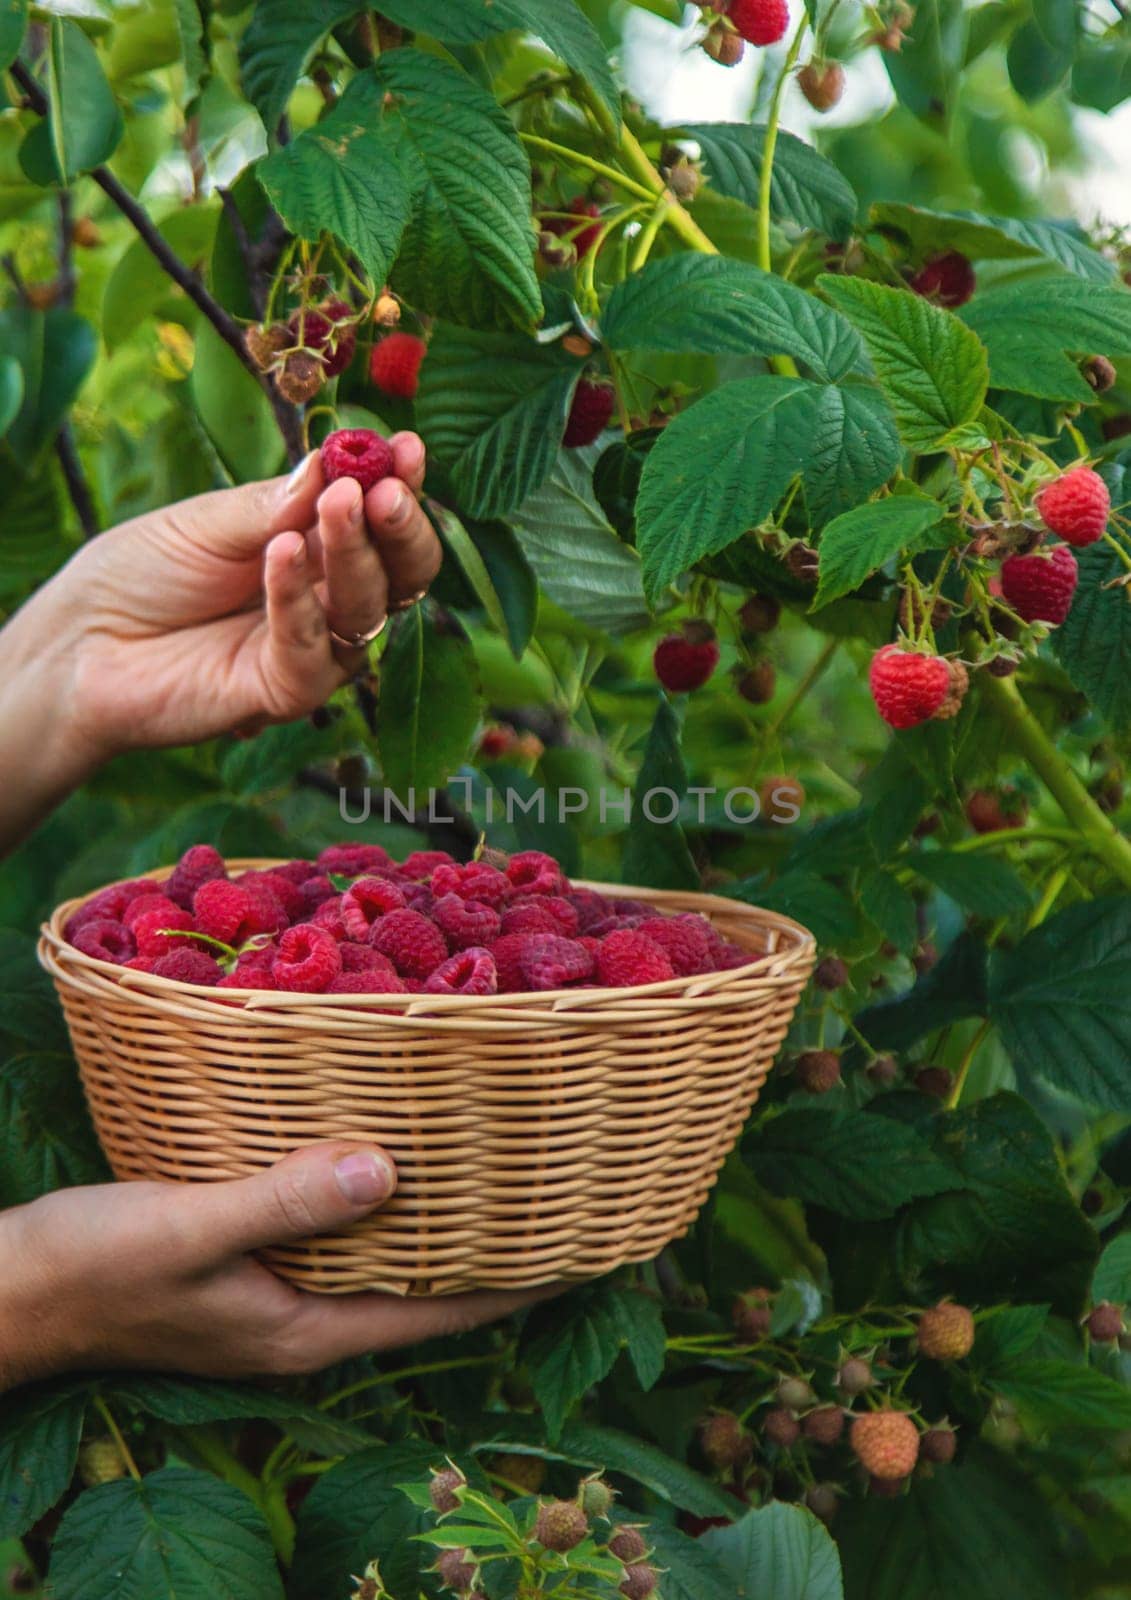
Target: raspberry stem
{"type": "Point", "coordinates": [1096, 829]}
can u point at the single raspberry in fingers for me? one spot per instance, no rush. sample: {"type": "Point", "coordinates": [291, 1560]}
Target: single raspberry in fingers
{"type": "Point", "coordinates": [357, 453]}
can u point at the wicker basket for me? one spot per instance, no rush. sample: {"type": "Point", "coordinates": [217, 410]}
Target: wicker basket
{"type": "Point", "coordinates": [537, 1137]}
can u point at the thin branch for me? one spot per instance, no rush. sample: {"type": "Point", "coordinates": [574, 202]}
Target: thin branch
{"type": "Point", "coordinates": [289, 422]}
{"type": "Point", "coordinates": [75, 478]}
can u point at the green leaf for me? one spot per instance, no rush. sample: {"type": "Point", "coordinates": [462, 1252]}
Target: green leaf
{"type": "Point", "coordinates": [711, 305]}
{"type": "Point", "coordinates": [55, 351]}
{"type": "Point", "coordinates": [431, 707]}
{"type": "Point", "coordinates": [502, 579]}
{"type": "Point", "coordinates": [196, 46]}
{"type": "Point", "coordinates": [189, 1403]}
{"type": "Point", "coordinates": [574, 1344]}
{"type": "Point", "coordinates": [925, 71]}
{"type": "Point", "coordinates": [176, 1532]}
{"type": "Point", "coordinates": [690, 1571]}
{"type": "Point", "coordinates": [856, 1163]}
{"type": "Point", "coordinates": [1061, 1394]}
{"type": "Point", "coordinates": [778, 1552]}
{"type": "Point", "coordinates": [885, 902]}
{"type": "Point", "coordinates": [468, 251]}
{"type": "Point", "coordinates": [236, 413]}
{"type": "Point", "coordinates": [493, 408]}
{"type": "Point", "coordinates": [1037, 329]}
{"type": "Point", "coordinates": [859, 541]}
{"type": "Point", "coordinates": [39, 1446]}
{"type": "Point", "coordinates": [273, 759]}
{"type": "Point", "coordinates": [85, 121]}
{"type": "Point", "coordinates": [46, 1140]}
{"type": "Point", "coordinates": [29, 1010]}
{"type": "Point", "coordinates": [932, 368]}
{"type": "Point", "coordinates": [722, 466]}
{"type": "Point", "coordinates": [982, 884]}
{"type": "Point", "coordinates": [13, 21]}
{"type": "Point", "coordinates": [11, 392]}
{"type": "Point", "coordinates": [655, 851]}
{"type": "Point", "coordinates": [991, 238]}
{"type": "Point", "coordinates": [584, 1444]}
{"type": "Point", "coordinates": [34, 539]}
{"type": "Point", "coordinates": [1101, 73]}
{"type": "Point", "coordinates": [980, 1529]}
{"type": "Point", "coordinates": [1062, 1001]}
{"type": "Point", "coordinates": [138, 284]}
{"type": "Point", "coordinates": [340, 177]}
{"type": "Point", "coordinates": [1013, 1230]}
{"type": "Point", "coordinates": [1007, 1332]}
{"type": "Point", "coordinates": [277, 44]}
{"type": "Point", "coordinates": [1113, 1272]}
{"type": "Point", "coordinates": [1093, 644]}
{"type": "Point", "coordinates": [580, 563]}
{"type": "Point", "coordinates": [358, 1510]}
{"type": "Point", "coordinates": [807, 190]}
{"type": "Point", "coordinates": [818, 905]}
{"type": "Point", "coordinates": [1036, 66]}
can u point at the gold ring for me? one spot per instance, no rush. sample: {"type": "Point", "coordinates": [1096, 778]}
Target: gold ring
{"type": "Point", "coordinates": [407, 605]}
{"type": "Point", "coordinates": [358, 641]}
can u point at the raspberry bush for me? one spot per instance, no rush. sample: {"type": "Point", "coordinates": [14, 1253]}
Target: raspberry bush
{"type": "Point", "coordinates": [781, 468]}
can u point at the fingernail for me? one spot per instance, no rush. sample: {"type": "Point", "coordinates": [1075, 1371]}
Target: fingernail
{"type": "Point", "coordinates": [400, 508]}
{"type": "Point", "coordinates": [298, 557]}
{"type": "Point", "coordinates": [294, 482]}
{"type": "Point", "coordinates": [366, 1177]}
{"type": "Point", "coordinates": [357, 508]}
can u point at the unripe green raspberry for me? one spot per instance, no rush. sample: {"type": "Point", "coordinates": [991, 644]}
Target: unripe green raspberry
{"type": "Point", "coordinates": [597, 1497]}
{"type": "Point", "coordinates": [795, 1394]}
{"type": "Point", "coordinates": [854, 1376]}
{"type": "Point", "coordinates": [822, 1500]}
{"type": "Point", "coordinates": [100, 1461]}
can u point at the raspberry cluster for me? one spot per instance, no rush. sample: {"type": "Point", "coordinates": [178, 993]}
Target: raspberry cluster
{"type": "Point", "coordinates": [355, 922]}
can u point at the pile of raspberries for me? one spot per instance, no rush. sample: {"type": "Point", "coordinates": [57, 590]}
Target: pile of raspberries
{"type": "Point", "coordinates": [357, 922]}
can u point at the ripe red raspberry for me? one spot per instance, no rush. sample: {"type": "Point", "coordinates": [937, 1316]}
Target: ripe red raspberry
{"type": "Point", "coordinates": [354, 860]}
{"type": "Point", "coordinates": [110, 903]}
{"type": "Point", "coordinates": [394, 364]}
{"type": "Point", "coordinates": [939, 1444]}
{"type": "Point", "coordinates": [414, 945]}
{"type": "Point", "coordinates": [760, 22]}
{"type": "Point", "coordinates": [946, 1332]}
{"type": "Point", "coordinates": [684, 661]}
{"type": "Point", "coordinates": [781, 1427]}
{"type": "Point", "coordinates": [285, 891]}
{"type": "Point", "coordinates": [684, 941]}
{"type": "Point", "coordinates": [307, 960]}
{"type": "Point", "coordinates": [363, 958]}
{"type": "Point", "coordinates": [752, 1315]}
{"type": "Point", "coordinates": [375, 981]}
{"type": "Point", "coordinates": [418, 897]}
{"type": "Point", "coordinates": [550, 962]}
{"type": "Point", "coordinates": [365, 901]}
{"type": "Point", "coordinates": [357, 453]}
{"type": "Point", "coordinates": [144, 904]}
{"type": "Point", "coordinates": [422, 864]}
{"type": "Point", "coordinates": [1040, 586]}
{"type": "Point", "coordinates": [234, 913]}
{"type": "Point", "coordinates": [158, 932]}
{"type": "Point", "coordinates": [475, 881]}
{"type": "Point", "coordinates": [818, 1071]}
{"type": "Point", "coordinates": [590, 906]}
{"type": "Point", "coordinates": [508, 952]}
{"type": "Point", "coordinates": [560, 1525]}
{"type": "Point", "coordinates": [824, 1425]}
{"type": "Point", "coordinates": [532, 872]}
{"type": "Point", "coordinates": [1105, 1322]}
{"type": "Point", "coordinates": [296, 872]}
{"type": "Point", "coordinates": [465, 923]}
{"type": "Point", "coordinates": [947, 279]}
{"type": "Point", "coordinates": [268, 913]}
{"type": "Point", "coordinates": [105, 940]}
{"type": "Point", "coordinates": [470, 971]}
{"type": "Point", "coordinates": [639, 1581]}
{"type": "Point", "coordinates": [188, 966]}
{"type": "Point", "coordinates": [725, 957]}
{"type": "Point", "coordinates": [329, 917]}
{"type": "Point", "coordinates": [196, 867]}
{"type": "Point", "coordinates": [1075, 506]}
{"type": "Point", "coordinates": [590, 413]}
{"type": "Point", "coordinates": [908, 688]}
{"type": "Point", "coordinates": [245, 976]}
{"type": "Point", "coordinates": [627, 958]}
{"type": "Point", "coordinates": [530, 916]}
{"type": "Point", "coordinates": [583, 239]}
{"type": "Point", "coordinates": [315, 892]}
{"type": "Point", "coordinates": [886, 1444]}
{"type": "Point", "coordinates": [330, 330]}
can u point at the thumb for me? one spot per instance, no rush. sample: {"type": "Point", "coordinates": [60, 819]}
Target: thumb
{"type": "Point", "coordinates": [238, 523]}
{"type": "Point", "coordinates": [309, 1192]}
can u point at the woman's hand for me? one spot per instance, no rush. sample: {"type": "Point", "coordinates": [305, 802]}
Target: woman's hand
{"type": "Point", "coordinates": [159, 1275]}
{"type": "Point", "coordinates": [214, 615]}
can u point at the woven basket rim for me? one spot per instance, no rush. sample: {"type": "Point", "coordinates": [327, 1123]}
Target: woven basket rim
{"type": "Point", "coordinates": [56, 954]}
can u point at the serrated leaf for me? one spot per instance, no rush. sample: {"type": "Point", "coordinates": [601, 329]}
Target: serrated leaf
{"type": "Point", "coordinates": [1101, 72]}
{"type": "Point", "coordinates": [723, 465]}
{"type": "Point", "coordinates": [885, 902]}
{"type": "Point", "coordinates": [984, 885]}
{"type": "Point", "coordinates": [1093, 644]}
{"type": "Point", "coordinates": [493, 407]}
{"type": "Point", "coordinates": [1063, 1394]}
{"type": "Point", "coordinates": [1007, 1332]}
{"type": "Point", "coordinates": [778, 1552]}
{"type": "Point", "coordinates": [46, 1140]}
{"type": "Point", "coordinates": [690, 1571]}
{"type": "Point", "coordinates": [655, 852]}
{"type": "Point", "coordinates": [1013, 1228]}
{"type": "Point", "coordinates": [580, 563]}
{"type": "Point", "coordinates": [933, 369]}
{"type": "Point", "coordinates": [39, 1445]}
{"type": "Point", "coordinates": [1036, 66]}
{"type": "Point", "coordinates": [431, 705]}
{"type": "Point", "coordinates": [55, 351]}
{"type": "Point", "coordinates": [468, 250]}
{"type": "Point", "coordinates": [13, 21]}
{"type": "Point", "coordinates": [574, 1344]}
{"type": "Point", "coordinates": [1062, 1001]}
{"type": "Point", "coordinates": [951, 991]}
{"type": "Point", "coordinates": [34, 540]}
{"type": "Point", "coordinates": [340, 177]}
{"type": "Point", "coordinates": [176, 1532]}
{"type": "Point", "coordinates": [715, 306]}
{"type": "Point", "coordinates": [29, 1010]}
{"type": "Point", "coordinates": [807, 190]}
{"type": "Point", "coordinates": [985, 238]}
{"type": "Point", "coordinates": [84, 118]}
{"type": "Point", "coordinates": [1112, 1280]}
{"type": "Point", "coordinates": [855, 1163]}
{"type": "Point", "coordinates": [860, 541]}
{"type": "Point", "coordinates": [818, 905]}
{"type": "Point", "coordinates": [1037, 330]}
{"type": "Point", "coordinates": [502, 579]}
{"type": "Point", "coordinates": [196, 46]}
